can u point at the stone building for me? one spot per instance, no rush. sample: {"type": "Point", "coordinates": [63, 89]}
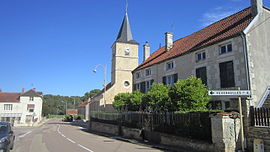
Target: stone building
{"type": "Point", "coordinates": [227, 54]}
{"type": "Point", "coordinates": [22, 108]}
{"type": "Point", "coordinates": [124, 61]}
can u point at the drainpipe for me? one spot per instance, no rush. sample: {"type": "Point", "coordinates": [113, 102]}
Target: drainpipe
{"type": "Point", "coordinates": [244, 40]}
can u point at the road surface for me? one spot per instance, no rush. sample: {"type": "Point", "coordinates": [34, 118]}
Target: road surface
{"type": "Point", "coordinates": [57, 136]}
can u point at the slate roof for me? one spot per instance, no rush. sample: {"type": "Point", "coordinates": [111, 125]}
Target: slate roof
{"type": "Point", "coordinates": [124, 34]}
{"type": "Point", "coordinates": [32, 93]}
{"type": "Point", "coordinates": [226, 28]}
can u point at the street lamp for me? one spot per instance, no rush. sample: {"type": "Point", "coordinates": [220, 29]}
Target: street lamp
{"type": "Point", "coordinates": [105, 71]}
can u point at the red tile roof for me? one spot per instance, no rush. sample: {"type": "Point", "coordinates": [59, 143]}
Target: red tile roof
{"type": "Point", "coordinates": [72, 111]}
{"type": "Point", "coordinates": [83, 104]}
{"type": "Point", "coordinates": [9, 97]}
{"type": "Point", "coordinates": [224, 29]}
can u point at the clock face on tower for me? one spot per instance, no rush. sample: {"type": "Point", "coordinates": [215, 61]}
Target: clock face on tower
{"type": "Point", "coordinates": [127, 51]}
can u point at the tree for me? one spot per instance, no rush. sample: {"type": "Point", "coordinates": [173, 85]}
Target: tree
{"type": "Point", "coordinates": [128, 101]}
{"type": "Point", "coordinates": [121, 100]}
{"type": "Point", "coordinates": [157, 98]}
{"type": "Point", "coordinates": [135, 100]}
{"type": "Point", "coordinates": [189, 95]}
{"type": "Point", "coordinates": [90, 94]}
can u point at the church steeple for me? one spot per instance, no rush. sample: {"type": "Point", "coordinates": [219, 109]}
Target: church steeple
{"type": "Point", "coordinates": [124, 34]}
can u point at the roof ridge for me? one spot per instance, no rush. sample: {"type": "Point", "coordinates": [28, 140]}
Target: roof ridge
{"type": "Point", "coordinates": [208, 35]}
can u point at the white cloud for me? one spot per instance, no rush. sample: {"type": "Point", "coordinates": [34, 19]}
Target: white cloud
{"type": "Point", "coordinates": [216, 14]}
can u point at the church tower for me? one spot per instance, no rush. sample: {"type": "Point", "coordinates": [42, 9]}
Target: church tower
{"type": "Point", "coordinates": [124, 58]}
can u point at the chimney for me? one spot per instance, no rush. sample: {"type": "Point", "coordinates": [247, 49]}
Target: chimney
{"type": "Point", "coordinates": [256, 7]}
{"type": "Point", "coordinates": [168, 40]}
{"type": "Point", "coordinates": [146, 51]}
{"type": "Point", "coordinates": [34, 89]}
{"type": "Point", "coordinates": [22, 90]}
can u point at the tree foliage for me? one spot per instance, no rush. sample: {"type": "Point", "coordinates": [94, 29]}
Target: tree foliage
{"type": "Point", "coordinates": [128, 101]}
{"type": "Point", "coordinates": [56, 104]}
{"type": "Point", "coordinates": [90, 94]}
{"type": "Point", "coordinates": [157, 98]}
{"type": "Point", "coordinates": [189, 95]}
{"type": "Point", "coordinates": [185, 95]}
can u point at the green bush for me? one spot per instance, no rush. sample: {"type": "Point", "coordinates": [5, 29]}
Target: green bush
{"type": "Point", "coordinates": [78, 117]}
{"type": "Point", "coordinates": [189, 95]}
{"type": "Point", "coordinates": [68, 118]}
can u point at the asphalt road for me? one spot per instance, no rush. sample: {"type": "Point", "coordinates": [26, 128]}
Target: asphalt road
{"type": "Point", "coordinates": [57, 136]}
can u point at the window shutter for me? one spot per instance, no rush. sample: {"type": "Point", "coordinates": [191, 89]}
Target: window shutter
{"type": "Point", "coordinates": [142, 87]}
{"type": "Point", "coordinates": [134, 87]}
{"type": "Point", "coordinates": [164, 80]}
{"type": "Point", "coordinates": [152, 81]}
{"type": "Point", "coordinates": [175, 77]}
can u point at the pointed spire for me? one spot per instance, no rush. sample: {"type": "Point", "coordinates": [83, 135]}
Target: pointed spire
{"type": "Point", "coordinates": [124, 34]}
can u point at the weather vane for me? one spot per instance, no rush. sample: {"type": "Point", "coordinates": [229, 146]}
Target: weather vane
{"type": "Point", "coordinates": [126, 6]}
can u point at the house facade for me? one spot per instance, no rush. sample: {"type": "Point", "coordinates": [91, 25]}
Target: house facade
{"type": "Point", "coordinates": [21, 109]}
{"type": "Point", "coordinates": [229, 54]}
{"type": "Point", "coordinates": [83, 109]}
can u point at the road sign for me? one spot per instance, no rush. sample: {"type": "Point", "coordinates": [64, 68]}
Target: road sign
{"type": "Point", "coordinates": [229, 92]}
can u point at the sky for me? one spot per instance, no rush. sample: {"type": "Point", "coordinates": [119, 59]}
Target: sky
{"type": "Point", "coordinates": [53, 45]}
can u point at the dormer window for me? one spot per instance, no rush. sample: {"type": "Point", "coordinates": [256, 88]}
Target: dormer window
{"type": "Point", "coordinates": [31, 99]}
{"type": "Point", "coordinates": [223, 49]}
{"type": "Point", "coordinates": [200, 56]}
{"type": "Point", "coordinates": [148, 72]}
{"type": "Point", "coordinates": [169, 65]}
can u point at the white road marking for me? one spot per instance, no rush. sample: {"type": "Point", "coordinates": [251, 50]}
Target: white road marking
{"type": "Point", "coordinates": [58, 130]}
{"type": "Point", "coordinates": [70, 140]}
{"type": "Point", "coordinates": [85, 148]}
{"type": "Point", "coordinates": [23, 135]}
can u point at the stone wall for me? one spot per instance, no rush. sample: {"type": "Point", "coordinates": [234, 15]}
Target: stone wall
{"type": "Point", "coordinates": [104, 128]}
{"type": "Point", "coordinates": [225, 135]}
{"type": "Point", "coordinates": [259, 133]}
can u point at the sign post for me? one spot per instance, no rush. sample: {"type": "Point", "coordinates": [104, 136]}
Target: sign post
{"type": "Point", "coordinates": [238, 93]}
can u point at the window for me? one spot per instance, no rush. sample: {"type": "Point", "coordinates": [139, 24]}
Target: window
{"type": "Point", "coordinates": [31, 99]}
{"type": "Point", "coordinates": [126, 83]}
{"type": "Point", "coordinates": [8, 107]}
{"type": "Point", "coordinates": [148, 85]}
{"type": "Point", "coordinates": [223, 49]}
{"type": "Point", "coordinates": [136, 87]}
{"type": "Point", "coordinates": [200, 56]}
{"type": "Point", "coordinates": [138, 75]}
{"type": "Point", "coordinates": [226, 74]}
{"type": "Point", "coordinates": [148, 72]}
{"type": "Point", "coordinates": [169, 65]}
{"type": "Point", "coordinates": [170, 79]}
{"type": "Point", "coordinates": [145, 86]}
{"type": "Point", "coordinates": [201, 73]}
{"type": "Point", "coordinates": [30, 107]}
{"type": "Point", "coordinates": [28, 118]}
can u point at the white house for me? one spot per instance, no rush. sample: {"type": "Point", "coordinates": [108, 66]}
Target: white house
{"type": "Point", "coordinates": [21, 109]}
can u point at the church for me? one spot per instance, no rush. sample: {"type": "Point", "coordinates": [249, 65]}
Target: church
{"type": "Point", "coordinates": [124, 61]}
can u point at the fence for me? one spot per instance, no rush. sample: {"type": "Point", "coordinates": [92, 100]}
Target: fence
{"type": "Point", "coordinates": [260, 117]}
{"type": "Point", "coordinates": [194, 125]}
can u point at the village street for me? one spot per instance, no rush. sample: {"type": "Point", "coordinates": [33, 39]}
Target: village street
{"type": "Point", "coordinates": [57, 136]}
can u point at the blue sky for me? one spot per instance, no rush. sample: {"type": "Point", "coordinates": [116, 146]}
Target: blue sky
{"type": "Point", "coordinates": [53, 45]}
